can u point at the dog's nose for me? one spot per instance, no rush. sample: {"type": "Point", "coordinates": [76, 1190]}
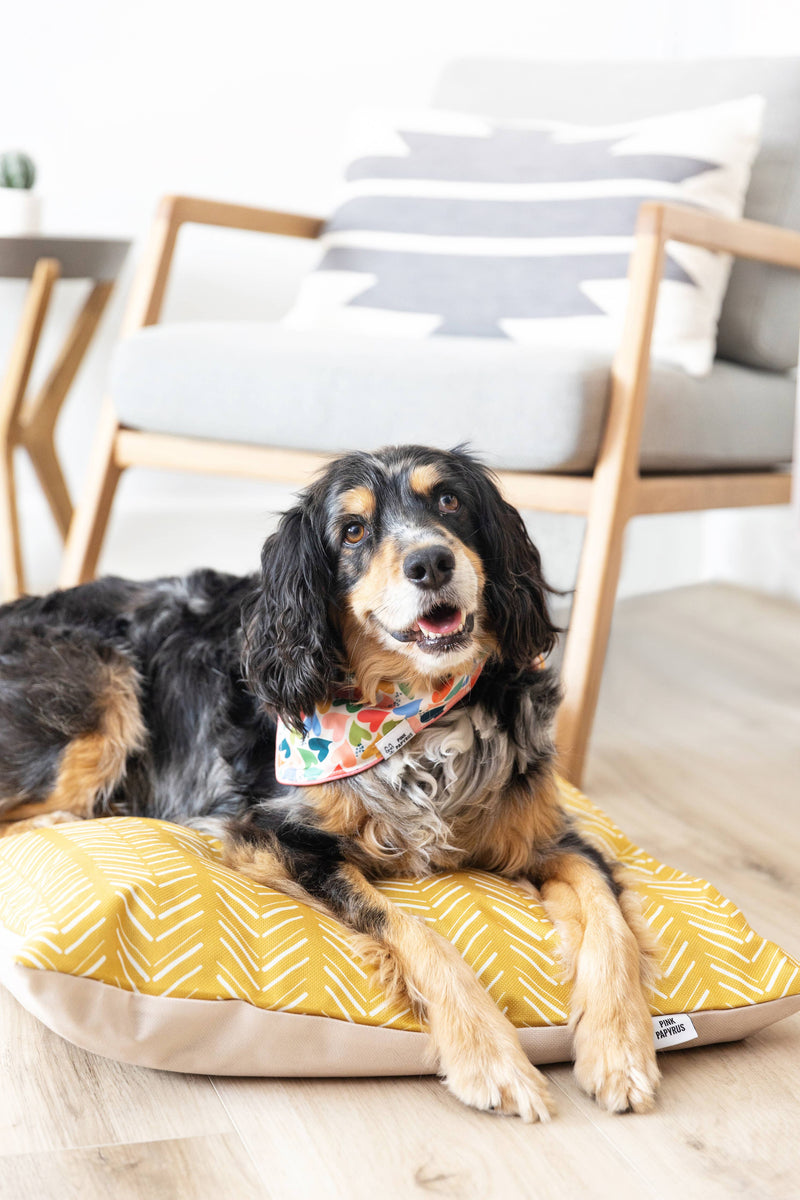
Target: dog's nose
{"type": "Point", "coordinates": [430, 566]}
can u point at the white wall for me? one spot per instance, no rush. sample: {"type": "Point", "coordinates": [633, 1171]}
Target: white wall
{"type": "Point", "coordinates": [245, 101]}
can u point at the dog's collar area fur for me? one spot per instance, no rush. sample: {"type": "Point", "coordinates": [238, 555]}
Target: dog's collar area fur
{"type": "Point", "coordinates": [345, 735]}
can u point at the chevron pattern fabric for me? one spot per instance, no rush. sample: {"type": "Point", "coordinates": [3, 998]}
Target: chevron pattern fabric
{"type": "Point", "coordinates": [146, 907]}
{"type": "Point", "coordinates": [456, 225]}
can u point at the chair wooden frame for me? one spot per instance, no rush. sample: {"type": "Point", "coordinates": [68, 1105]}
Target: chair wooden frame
{"type": "Point", "coordinates": [614, 493]}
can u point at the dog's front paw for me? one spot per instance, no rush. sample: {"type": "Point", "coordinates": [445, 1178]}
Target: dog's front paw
{"type": "Point", "coordinates": [505, 1083]}
{"type": "Point", "coordinates": [617, 1066]}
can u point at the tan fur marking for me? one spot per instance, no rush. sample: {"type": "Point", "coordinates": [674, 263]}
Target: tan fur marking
{"type": "Point", "coordinates": [424, 479]}
{"type": "Point", "coordinates": [609, 972]}
{"type": "Point", "coordinates": [385, 569]}
{"type": "Point", "coordinates": [370, 661]}
{"type": "Point", "coordinates": [358, 502]}
{"type": "Point", "coordinates": [338, 809]}
{"type": "Point", "coordinates": [264, 865]}
{"type": "Point", "coordinates": [82, 773]}
{"type": "Point", "coordinates": [486, 640]}
{"type": "Point", "coordinates": [478, 1051]}
{"type": "Point", "coordinates": [92, 766]}
{"type": "Point", "coordinates": [510, 837]}
{"type": "Point", "coordinates": [476, 562]}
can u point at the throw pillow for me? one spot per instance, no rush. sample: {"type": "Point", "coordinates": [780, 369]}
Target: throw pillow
{"type": "Point", "coordinates": [455, 225]}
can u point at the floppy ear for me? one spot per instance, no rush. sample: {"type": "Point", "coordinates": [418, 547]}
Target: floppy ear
{"type": "Point", "coordinates": [290, 652]}
{"type": "Point", "coordinates": [515, 592]}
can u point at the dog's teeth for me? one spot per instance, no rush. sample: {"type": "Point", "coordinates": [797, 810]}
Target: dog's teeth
{"type": "Point", "coordinates": [430, 636]}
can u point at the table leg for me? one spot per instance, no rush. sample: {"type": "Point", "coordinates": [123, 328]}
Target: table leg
{"type": "Point", "coordinates": [40, 414]}
{"type": "Point", "coordinates": [12, 395]}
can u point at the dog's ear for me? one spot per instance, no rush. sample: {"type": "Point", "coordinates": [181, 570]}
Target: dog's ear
{"type": "Point", "coordinates": [291, 652]}
{"type": "Point", "coordinates": [516, 594]}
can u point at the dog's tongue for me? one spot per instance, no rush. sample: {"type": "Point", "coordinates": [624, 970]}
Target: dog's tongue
{"type": "Point", "coordinates": [441, 620]}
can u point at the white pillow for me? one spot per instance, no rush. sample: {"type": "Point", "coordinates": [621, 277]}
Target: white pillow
{"type": "Point", "coordinates": [456, 225]}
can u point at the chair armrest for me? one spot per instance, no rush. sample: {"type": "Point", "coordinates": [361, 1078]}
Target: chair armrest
{"type": "Point", "coordinates": [150, 283]}
{"type": "Point", "coordinates": [184, 210]}
{"type": "Point", "coordinates": [657, 224]}
{"type": "Point", "coordinates": [737, 236]}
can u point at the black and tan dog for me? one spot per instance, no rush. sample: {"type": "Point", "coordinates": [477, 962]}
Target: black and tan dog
{"type": "Point", "coordinates": [160, 699]}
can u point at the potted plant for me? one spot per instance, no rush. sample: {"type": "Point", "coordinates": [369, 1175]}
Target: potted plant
{"type": "Point", "coordinates": [20, 206]}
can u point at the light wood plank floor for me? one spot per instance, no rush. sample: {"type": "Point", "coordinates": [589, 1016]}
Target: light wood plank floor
{"type": "Point", "coordinates": [697, 756]}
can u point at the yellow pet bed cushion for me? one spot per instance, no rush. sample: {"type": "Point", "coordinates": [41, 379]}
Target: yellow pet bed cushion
{"type": "Point", "coordinates": [127, 937]}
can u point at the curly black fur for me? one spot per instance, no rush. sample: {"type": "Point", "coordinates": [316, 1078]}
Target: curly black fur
{"type": "Point", "coordinates": [291, 652]}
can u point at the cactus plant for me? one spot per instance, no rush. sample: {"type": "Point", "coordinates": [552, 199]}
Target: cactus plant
{"type": "Point", "coordinates": [17, 170]}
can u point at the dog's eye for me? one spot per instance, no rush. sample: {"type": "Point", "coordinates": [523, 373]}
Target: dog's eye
{"type": "Point", "coordinates": [449, 503]}
{"type": "Point", "coordinates": [354, 533]}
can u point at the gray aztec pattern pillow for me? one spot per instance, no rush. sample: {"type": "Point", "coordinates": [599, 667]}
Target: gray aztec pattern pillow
{"type": "Point", "coordinates": [455, 225]}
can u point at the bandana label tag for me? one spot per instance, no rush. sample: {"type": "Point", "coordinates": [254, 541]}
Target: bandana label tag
{"type": "Point", "coordinates": [391, 742]}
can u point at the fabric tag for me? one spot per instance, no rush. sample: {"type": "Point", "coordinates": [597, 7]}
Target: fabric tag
{"type": "Point", "coordinates": [671, 1031]}
{"type": "Point", "coordinates": [395, 739]}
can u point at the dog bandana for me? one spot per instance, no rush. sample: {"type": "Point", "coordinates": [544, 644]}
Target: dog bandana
{"type": "Point", "coordinates": [344, 735]}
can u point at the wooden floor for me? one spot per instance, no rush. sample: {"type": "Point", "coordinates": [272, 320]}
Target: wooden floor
{"type": "Point", "coordinates": [697, 756]}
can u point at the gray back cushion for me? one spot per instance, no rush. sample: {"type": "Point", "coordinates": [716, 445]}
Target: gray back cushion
{"type": "Point", "coordinates": [761, 314]}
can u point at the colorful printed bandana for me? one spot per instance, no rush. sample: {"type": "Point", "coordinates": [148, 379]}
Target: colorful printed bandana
{"type": "Point", "coordinates": [344, 735]}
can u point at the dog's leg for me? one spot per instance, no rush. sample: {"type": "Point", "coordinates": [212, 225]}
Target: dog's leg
{"type": "Point", "coordinates": [69, 719]}
{"type": "Point", "coordinates": [478, 1052]}
{"type": "Point", "coordinates": [608, 960]}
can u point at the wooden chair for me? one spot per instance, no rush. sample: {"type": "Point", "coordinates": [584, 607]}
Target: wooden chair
{"type": "Point", "coordinates": [608, 498]}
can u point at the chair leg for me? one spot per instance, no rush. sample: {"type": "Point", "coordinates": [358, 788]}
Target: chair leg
{"type": "Point", "coordinates": [587, 640]}
{"type": "Point", "coordinates": [90, 518]}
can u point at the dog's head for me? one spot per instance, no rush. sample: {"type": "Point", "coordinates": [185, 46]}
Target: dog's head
{"type": "Point", "coordinates": [406, 564]}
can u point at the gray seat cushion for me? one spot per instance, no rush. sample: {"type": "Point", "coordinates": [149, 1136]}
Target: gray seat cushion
{"type": "Point", "coordinates": [519, 407]}
{"type": "Point", "coordinates": [761, 313]}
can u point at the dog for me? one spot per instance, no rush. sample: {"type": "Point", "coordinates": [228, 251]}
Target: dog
{"type": "Point", "coordinates": [401, 593]}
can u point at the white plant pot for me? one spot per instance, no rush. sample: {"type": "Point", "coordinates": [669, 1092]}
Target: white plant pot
{"type": "Point", "coordinates": [20, 211]}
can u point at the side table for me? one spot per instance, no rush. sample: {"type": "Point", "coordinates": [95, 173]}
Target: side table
{"type": "Point", "coordinates": [30, 421]}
